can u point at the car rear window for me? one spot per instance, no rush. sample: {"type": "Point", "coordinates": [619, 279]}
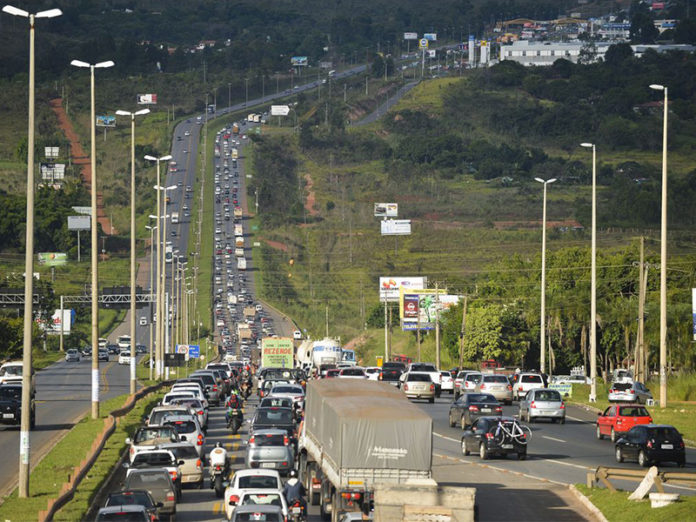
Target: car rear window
{"type": "Point", "coordinates": [184, 452]}
{"type": "Point", "coordinates": [123, 516]}
{"type": "Point", "coordinates": [531, 378]}
{"type": "Point", "coordinates": [548, 395]}
{"type": "Point", "coordinates": [269, 440]}
{"type": "Point", "coordinates": [418, 377]}
{"type": "Point", "coordinates": [633, 411]}
{"type": "Point", "coordinates": [153, 459]}
{"type": "Point", "coordinates": [270, 415]}
{"type": "Point", "coordinates": [129, 498]}
{"type": "Point", "coordinates": [153, 433]}
{"type": "Point", "coordinates": [495, 378]}
{"type": "Point", "coordinates": [663, 432]}
{"type": "Point", "coordinates": [277, 402]}
{"type": "Point", "coordinates": [349, 371]}
{"type": "Point", "coordinates": [258, 482]}
{"type": "Point", "coordinates": [258, 517]}
{"type": "Point", "coordinates": [183, 426]}
{"type": "Point", "coordinates": [393, 366]}
{"type": "Point", "coordinates": [272, 499]}
{"type": "Point", "coordinates": [207, 379]}
{"type": "Point", "coordinates": [287, 389]}
{"type": "Point", "coordinates": [423, 368]}
{"type": "Point", "coordinates": [622, 386]}
{"type": "Point", "coordinates": [147, 481]}
{"type": "Point", "coordinates": [473, 377]}
{"type": "Point", "coordinates": [481, 397]}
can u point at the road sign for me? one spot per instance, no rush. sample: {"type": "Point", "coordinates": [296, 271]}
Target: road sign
{"type": "Point", "coordinates": [79, 222]}
{"type": "Point", "coordinates": [423, 43]}
{"type": "Point", "coordinates": [194, 351]}
{"type": "Point", "coordinates": [280, 110]}
{"type": "Point", "coordinates": [182, 349]}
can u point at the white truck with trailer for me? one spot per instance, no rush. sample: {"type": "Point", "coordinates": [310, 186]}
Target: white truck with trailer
{"type": "Point", "coordinates": [341, 469]}
{"type": "Point", "coordinates": [241, 263]}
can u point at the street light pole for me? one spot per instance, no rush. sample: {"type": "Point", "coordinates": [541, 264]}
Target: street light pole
{"type": "Point", "coordinates": [246, 91]}
{"type": "Point", "coordinates": [93, 200]}
{"type": "Point", "coordinates": [27, 391]}
{"type": "Point", "coordinates": [542, 349]}
{"type": "Point", "coordinates": [132, 245]}
{"type": "Point", "coordinates": [229, 95]}
{"type": "Point", "coordinates": [663, 257]}
{"type": "Point", "coordinates": [593, 282]}
{"type": "Point", "coordinates": [152, 268]}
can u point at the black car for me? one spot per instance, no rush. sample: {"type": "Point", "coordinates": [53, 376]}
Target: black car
{"type": "Point", "coordinates": [491, 436]}
{"type": "Point", "coordinates": [470, 406]}
{"type": "Point", "coordinates": [86, 351]}
{"type": "Point", "coordinates": [391, 371]}
{"type": "Point", "coordinates": [140, 348]}
{"type": "Point", "coordinates": [650, 443]}
{"type": "Point", "coordinates": [274, 418]}
{"type": "Point", "coordinates": [11, 405]}
{"type": "Point", "coordinates": [113, 349]}
{"type": "Point", "coordinates": [103, 354]}
{"type": "Point", "coordinates": [137, 497]}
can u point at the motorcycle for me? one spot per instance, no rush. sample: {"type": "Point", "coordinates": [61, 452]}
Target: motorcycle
{"type": "Point", "coordinates": [216, 481]}
{"type": "Point", "coordinates": [235, 418]}
{"type": "Point", "coordinates": [297, 511]}
{"type": "Point", "coordinates": [246, 389]}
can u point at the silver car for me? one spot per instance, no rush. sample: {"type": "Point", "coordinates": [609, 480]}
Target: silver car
{"type": "Point", "coordinates": [543, 404]}
{"type": "Point", "coordinates": [270, 449]}
{"type": "Point", "coordinates": [418, 385]}
{"type": "Point", "coordinates": [629, 392]}
{"type": "Point", "coordinates": [497, 385]}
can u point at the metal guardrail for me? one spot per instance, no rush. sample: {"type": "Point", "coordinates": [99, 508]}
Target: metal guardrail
{"type": "Point", "coordinates": [603, 474]}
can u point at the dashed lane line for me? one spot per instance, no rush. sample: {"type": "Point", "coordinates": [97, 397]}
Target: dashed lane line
{"type": "Point", "coordinates": [552, 438]}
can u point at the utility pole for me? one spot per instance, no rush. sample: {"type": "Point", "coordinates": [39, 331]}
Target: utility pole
{"type": "Point", "coordinates": [327, 320]}
{"type": "Point", "coordinates": [437, 327]}
{"type": "Point", "coordinates": [461, 334]}
{"type": "Point", "coordinates": [386, 332]}
{"type": "Point", "coordinates": [418, 334]}
{"type": "Point", "coordinates": [639, 369]}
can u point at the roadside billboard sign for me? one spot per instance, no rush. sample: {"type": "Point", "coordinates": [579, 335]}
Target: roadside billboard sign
{"type": "Point", "coordinates": [419, 308]}
{"type": "Point", "coordinates": [277, 352]}
{"type": "Point", "coordinates": [79, 222]}
{"type": "Point", "coordinates": [183, 349]}
{"type": "Point", "coordinates": [386, 209]}
{"type": "Point", "coordinates": [52, 171]}
{"type": "Point", "coordinates": [53, 258]}
{"type": "Point", "coordinates": [423, 43]}
{"type": "Point", "coordinates": [67, 320]}
{"type": "Point", "coordinates": [280, 110]}
{"type": "Point", "coordinates": [106, 121]}
{"type": "Point", "coordinates": [146, 99]}
{"type": "Point", "coordinates": [396, 227]}
{"type": "Point", "coordinates": [51, 152]}
{"type": "Point", "coordinates": [431, 37]}
{"type": "Point", "coordinates": [389, 287]}
{"type": "Point", "coordinates": [87, 211]}
{"type": "Point", "coordinates": [410, 36]}
{"type": "Point", "coordinates": [299, 61]}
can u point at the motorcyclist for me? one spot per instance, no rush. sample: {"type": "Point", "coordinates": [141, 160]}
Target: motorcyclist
{"type": "Point", "coordinates": [294, 490]}
{"type": "Point", "coordinates": [219, 457]}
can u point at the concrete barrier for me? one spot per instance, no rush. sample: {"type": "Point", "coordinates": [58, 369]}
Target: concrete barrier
{"type": "Point", "coordinates": [420, 502]}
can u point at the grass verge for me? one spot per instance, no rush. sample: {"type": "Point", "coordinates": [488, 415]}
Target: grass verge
{"type": "Point", "coordinates": [617, 508]}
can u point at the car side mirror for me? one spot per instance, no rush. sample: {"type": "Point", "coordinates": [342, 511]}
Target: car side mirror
{"type": "Point", "coordinates": [180, 463]}
{"type": "Point", "coordinates": [599, 414]}
{"type": "Point", "coordinates": [126, 465]}
{"type": "Point", "coordinates": [129, 441]}
{"type": "Point", "coordinates": [159, 505]}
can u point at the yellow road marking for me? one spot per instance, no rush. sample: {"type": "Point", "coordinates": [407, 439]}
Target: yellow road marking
{"type": "Point", "coordinates": [104, 379]}
{"type": "Point", "coordinates": [233, 436]}
{"type": "Point", "coordinates": [217, 508]}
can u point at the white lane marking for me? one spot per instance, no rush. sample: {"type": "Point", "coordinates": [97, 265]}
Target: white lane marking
{"type": "Point", "coordinates": [552, 438]}
{"type": "Point", "coordinates": [569, 464]}
{"type": "Point", "coordinates": [446, 438]}
{"type": "Point", "coordinates": [579, 420]}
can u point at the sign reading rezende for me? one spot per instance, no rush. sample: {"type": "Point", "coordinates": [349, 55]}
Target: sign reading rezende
{"type": "Point", "coordinates": [277, 352]}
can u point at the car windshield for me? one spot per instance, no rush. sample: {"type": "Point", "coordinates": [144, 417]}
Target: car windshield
{"type": "Point", "coordinates": [274, 415]}
{"type": "Point", "coordinates": [622, 386]}
{"type": "Point", "coordinates": [548, 395]}
{"type": "Point", "coordinates": [10, 393]}
{"type": "Point", "coordinates": [418, 377]}
{"type": "Point", "coordinates": [495, 378]}
{"type": "Point", "coordinates": [633, 411]}
{"type": "Point", "coordinates": [258, 482]}
{"type": "Point", "coordinates": [146, 434]}
{"type": "Point", "coordinates": [126, 498]}
{"type": "Point", "coordinates": [266, 498]}
{"type": "Point", "coordinates": [287, 389]}
{"type": "Point", "coordinates": [269, 440]}
{"type": "Point", "coordinates": [11, 370]}
{"type": "Point", "coordinates": [481, 397]}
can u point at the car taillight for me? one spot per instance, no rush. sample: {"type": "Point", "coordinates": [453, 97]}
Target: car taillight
{"type": "Point", "coordinates": [218, 468]}
{"type": "Point", "coordinates": [473, 408]}
{"type": "Point", "coordinates": [252, 439]}
{"type": "Point", "coordinates": [380, 376]}
{"type": "Point", "coordinates": [632, 392]}
{"type": "Point", "coordinates": [215, 388]}
{"type": "Point", "coordinates": [563, 405]}
{"type": "Point", "coordinates": [170, 496]}
{"type": "Point", "coordinates": [681, 444]}
{"type": "Point", "coordinates": [432, 387]}
{"type": "Point", "coordinates": [201, 412]}
{"type": "Point", "coordinates": [489, 436]}
{"type": "Point", "coordinates": [405, 387]}
{"type": "Point", "coordinates": [532, 405]}
{"type": "Point", "coordinates": [200, 440]}
{"type": "Point", "coordinates": [509, 388]}
{"type": "Point", "coordinates": [173, 474]}
{"type": "Point", "coordinates": [198, 464]}
{"type": "Point", "coordinates": [286, 441]}
{"type": "Point", "coordinates": [650, 444]}
{"type": "Point", "coordinates": [483, 386]}
{"type": "Point", "coordinates": [233, 499]}
{"type": "Point", "coordinates": [499, 408]}
{"type": "Point", "coordinates": [351, 496]}
{"type": "Point", "coordinates": [612, 391]}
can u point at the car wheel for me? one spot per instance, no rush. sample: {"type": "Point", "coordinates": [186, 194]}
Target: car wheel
{"type": "Point", "coordinates": [431, 400]}
{"type": "Point", "coordinates": [465, 451]}
{"type": "Point", "coordinates": [619, 455]}
{"type": "Point", "coordinates": [463, 422]}
{"type": "Point", "coordinates": [643, 459]}
{"type": "Point", "coordinates": [483, 451]}
{"type": "Point", "coordinates": [599, 434]}
{"type": "Point", "coordinates": [522, 456]}
{"type": "Point", "coordinates": [681, 463]}
{"type": "Point", "coordinates": [612, 437]}
{"type": "Point", "coordinates": [562, 420]}
{"type": "Point", "coordinates": [452, 424]}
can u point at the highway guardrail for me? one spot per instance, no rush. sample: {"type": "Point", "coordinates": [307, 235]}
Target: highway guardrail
{"type": "Point", "coordinates": [603, 475]}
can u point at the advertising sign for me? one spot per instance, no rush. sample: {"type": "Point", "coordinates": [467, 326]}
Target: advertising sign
{"type": "Point", "coordinates": [389, 286]}
{"type": "Point", "coordinates": [431, 37]}
{"type": "Point", "coordinates": [52, 171]}
{"type": "Point", "coordinates": [432, 53]}
{"type": "Point", "coordinates": [418, 308]}
{"type": "Point", "coordinates": [87, 211]}
{"type": "Point", "coordinates": [277, 352]}
{"type": "Point", "coordinates": [146, 99]}
{"type": "Point", "coordinates": [396, 227]}
{"type": "Point", "coordinates": [182, 349]}
{"type": "Point", "coordinates": [566, 390]}
{"type": "Point", "coordinates": [51, 152]}
{"type": "Point", "coordinates": [79, 222]}
{"type": "Point", "coordinates": [68, 320]}
{"type": "Point", "coordinates": [386, 209]}
{"type": "Point", "coordinates": [106, 121]}
{"type": "Point", "coordinates": [298, 61]}
{"type": "Point", "coordinates": [423, 43]}
{"type": "Point", "coordinates": [280, 110]}
{"type": "Point", "coordinates": [410, 36]}
{"type": "Point", "coordinates": [53, 258]}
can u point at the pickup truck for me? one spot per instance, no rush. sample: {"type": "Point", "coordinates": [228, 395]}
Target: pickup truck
{"type": "Point", "coordinates": [146, 438]}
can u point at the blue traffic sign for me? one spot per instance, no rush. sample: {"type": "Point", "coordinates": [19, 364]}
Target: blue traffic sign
{"type": "Point", "coordinates": [194, 351]}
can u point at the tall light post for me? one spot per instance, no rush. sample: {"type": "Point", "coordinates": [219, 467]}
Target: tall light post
{"type": "Point", "coordinates": [95, 274]}
{"type": "Point", "coordinates": [152, 268]}
{"type": "Point", "coordinates": [229, 95]}
{"type": "Point", "coordinates": [158, 338]}
{"type": "Point", "coordinates": [163, 312]}
{"type": "Point", "coordinates": [663, 257]}
{"type": "Point", "coordinates": [132, 243]}
{"type": "Point", "coordinates": [25, 423]}
{"type": "Point", "coordinates": [593, 278]}
{"type": "Point", "coordinates": [246, 91]}
{"type": "Point", "coordinates": [542, 348]}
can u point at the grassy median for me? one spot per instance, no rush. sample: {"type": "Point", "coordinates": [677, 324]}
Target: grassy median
{"type": "Point", "coordinates": [617, 508]}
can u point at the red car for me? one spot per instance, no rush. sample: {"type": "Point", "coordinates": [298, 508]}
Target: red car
{"type": "Point", "coordinates": [620, 418]}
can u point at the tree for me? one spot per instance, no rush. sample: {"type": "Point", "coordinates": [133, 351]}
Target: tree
{"type": "Point", "coordinates": [618, 53]}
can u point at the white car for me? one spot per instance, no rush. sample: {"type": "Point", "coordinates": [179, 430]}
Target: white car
{"type": "Point", "coordinates": [143, 321]}
{"type": "Point", "coordinates": [181, 394]}
{"type": "Point", "coordinates": [372, 372]}
{"type": "Point", "coordinates": [189, 430]}
{"type": "Point", "coordinates": [447, 383]}
{"type": "Point", "coordinates": [248, 479]}
{"type": "Point", "coordinates": [124, 357]}
{"type": "Point", "coordinates": [292, 391]}
{"type": "Point", "coordinates": [261, 497]}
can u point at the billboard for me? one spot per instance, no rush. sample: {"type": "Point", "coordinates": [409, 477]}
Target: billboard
{"type": "Point", "coordinates": [386, 209]}
{"type": "Point", "coordinates": [146, 99]}
{"type": "Point", "coordinates": [396, 227]}
{"type": "Point", "coordinates": [68, 320]}
{"type": "Point", "coordinates": [389, 287]}
{"type": "Point", "coordinates": [410, 36]}
{"type": "Point", "coordinates": [277, 352]}
{"type": "Point", "coordinates": [432, 53]}
{"type": "Point", "coordinates": [106, 121]}
{"type": "Point", "coordinates": [87, 211]}
{"type": "Point", "coordinates": [298, 61]}
{"type": "Point", "coordinates": [423, 43]}
{"type": "Point", "coordinates": [53, 258]}
{"type": "Point", "coordinates": [280, 110]}
{"type": "Point", "coordinates": [431, 37]}
{"type": "Point", "coordinates": [51, 152]}
{"type": "Point", "coordinates": [418, 308]}
{"type": "Point", "coordinates": [79, 222]}
{"type": "Point", "coordinates": [52, 171]}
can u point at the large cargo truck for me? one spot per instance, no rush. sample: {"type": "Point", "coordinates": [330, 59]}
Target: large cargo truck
{"type": "Point", "coordinates": [340, 468]}
{"type": "Point", "coordinates": [241, 263]}
{"type": "Point", "coordinates": [238, 212]}
{"type": "Point", "coordinates": [326, 353]}
{"type": "Point", "coordinates": [238, 231]}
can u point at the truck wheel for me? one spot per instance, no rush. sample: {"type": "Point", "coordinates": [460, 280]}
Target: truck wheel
{"type": "Point", "coordinates": [325, 515]}
{"type": "Point", "coordinates": [334, 507]}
